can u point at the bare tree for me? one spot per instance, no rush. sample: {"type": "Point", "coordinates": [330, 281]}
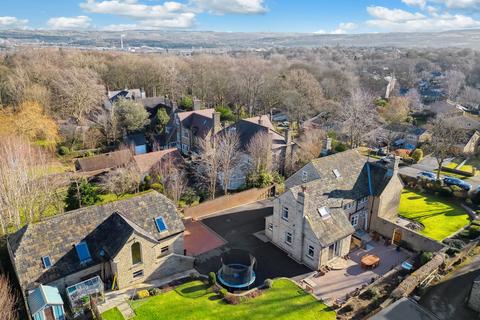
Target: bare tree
{"type": "Point", "coordinates": [228, 144]}
{"type": "Point", "coordinates": [8, 300]}
{"type": "Point", "coordinates": [27, 189]}
{"type": "Point", "coordinates": [208, 164]}
{"type": "Point", "coordinates": [454, 82]}
{"type": "Point", "coordinates": [415, 100]}
{"type": "Point", "coordinates": [172, 175]}
{"type": "Point", "coordinates": [470, 98]}
{"type": "Point", "coordinates": [122, 181]}
{"type": "Point", "coordinates": [358, 114]}
{"type": "Point", "coordinates": [260, 151]}
{"type": "Point", "coordinates": [445, 137]}
{"type": "Point", "coordinates": [394, 113]}
{"type": "Point", "coordinates": [310, 146]}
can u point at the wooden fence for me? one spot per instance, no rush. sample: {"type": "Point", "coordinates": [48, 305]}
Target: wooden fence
{"type": "Point", "coordinates": [227, 202]}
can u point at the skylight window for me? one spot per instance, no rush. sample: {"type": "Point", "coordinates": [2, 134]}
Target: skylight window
{"type": "Point", "coordinates": [47, 262]}
{"type": "Point", "coordinates": [161, 226]}
{"type": "Point", "coordinates": [83, 252]}
{"type": "Point", "coordinates": [324, 212]}
{"type": "Point", "coordinates": [336, 173]}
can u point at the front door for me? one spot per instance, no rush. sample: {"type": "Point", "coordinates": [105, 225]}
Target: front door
{"type": "Point", "coordinates": [334, 250]}
{"type": "Point", "coordinates": [49, 313]}
{"type": "Point", "coordinates": [397, 237]}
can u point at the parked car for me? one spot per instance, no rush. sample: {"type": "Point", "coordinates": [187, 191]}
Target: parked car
{"type": "Point", "coordinates": [451, 181]}
{"type": "Point", "coordinates": [427, 175]}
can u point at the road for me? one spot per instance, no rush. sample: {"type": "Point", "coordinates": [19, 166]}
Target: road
{"type": "Point", "coordinates": [447, 299]}
{"type": "Point", "coordinates": [430, 164]}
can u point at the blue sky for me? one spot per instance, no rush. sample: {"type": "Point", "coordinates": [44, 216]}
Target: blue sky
{"type": "Point", "coordinates": [321, 16]}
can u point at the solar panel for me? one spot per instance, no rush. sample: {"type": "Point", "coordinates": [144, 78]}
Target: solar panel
{"type": "Point", "coordinates": [83, 252]}
{"type": "Point", "coordinates": [47, 262]}
{"type": "Point", "coordinates": [161, 226]}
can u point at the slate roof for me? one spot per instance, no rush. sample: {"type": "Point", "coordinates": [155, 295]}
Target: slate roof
{"type": "Point", "coordinates": [104, 161]}
{"type": "Point", "coordinates": [404, 309]}
{"type": "Point", "coordinates": [104, 228]}
{"type": "Point", "coordinates": [200, 122]}
{"type": "Point", "coordinates": [248, 128]}
{"type": "Point", "coordinates": [146, 162]}
{"type": "Point", "coordinates": [358, 178]}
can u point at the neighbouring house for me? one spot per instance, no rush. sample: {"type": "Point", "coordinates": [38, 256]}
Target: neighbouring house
{"type": "Point", "coordinates": [187, 127]}
{"type": "Point", "coordinates": [137, 142]}
{"type": "Point", "coordinates": [45, 303]}
{"type": "Point", "coordinates": [282, 147]}
{"type": "Point", "coordinates": [404, 309]}
{"type": "Point", "coordinates": [445, 108]}
{"type": "Point", "coordinates": [119, 244]}
{"type": "Point", "coordinates": [134, 94]}
{"type": "Point", "coordinates": [101, 163]}
{"type": "Point", "coordinates": [468, 145]}
{"type": "Point", "coordinates": [151, 161]}
{"type": "Point", "coordinates": [327, 202]}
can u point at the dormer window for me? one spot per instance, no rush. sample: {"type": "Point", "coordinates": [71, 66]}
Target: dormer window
{"type": "Point", "coordinates": [47, 262]}
{"type": "Point", "coordinates": [160, 223]}
{"type": "Point", "coordinates": [83, 252]}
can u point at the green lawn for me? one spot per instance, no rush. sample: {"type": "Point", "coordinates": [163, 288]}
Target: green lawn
{"type": "Point", "coordinates": [112, 314]}
{"type": "Point", "coordinates": [284, 300]}
{"type": "Point", "coordinates": [440, 217]}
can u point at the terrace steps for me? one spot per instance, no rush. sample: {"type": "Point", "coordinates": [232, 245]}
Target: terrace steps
{"type": "Point", "coordinates": [126, 310]}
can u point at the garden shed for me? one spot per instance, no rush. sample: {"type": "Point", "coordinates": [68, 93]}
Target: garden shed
{"type": "Point", "coordinates": [45, 303]}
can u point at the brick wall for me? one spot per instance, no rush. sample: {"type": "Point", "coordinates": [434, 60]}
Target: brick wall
{"type": "Point", "coordinates": [226, 202]}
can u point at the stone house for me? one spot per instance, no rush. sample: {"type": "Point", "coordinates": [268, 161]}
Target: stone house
{"type": "Point", "coordinates": [328, 202]}
{"type": "Point", "coordinates": [282, 147]}
{"type": "Point", "coordinates": [124, 243]}
{"type": "Point", "coordinates": [102, 163]}
{"type": "Point", "coordinates": [187, 127]}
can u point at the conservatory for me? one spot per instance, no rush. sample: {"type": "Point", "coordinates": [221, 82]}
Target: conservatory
{"type": "Point", "coordinates": [81, 294]}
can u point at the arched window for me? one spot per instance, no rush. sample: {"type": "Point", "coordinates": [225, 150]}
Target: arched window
{"type": "Point", "coordinates": [136, 253]}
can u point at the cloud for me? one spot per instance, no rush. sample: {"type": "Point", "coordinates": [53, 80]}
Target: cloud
{"type": "Point", "coordinates": [342, 28]}
{"type": "Point", "coordinates": [460, 4]}
{"type": "Point", "coordinates": [12, 23]}
{"type": "Point", "coordinates": [167, 15]}
{"type": "Point", "coordinates": [79, 22]}
{"type": "Point", "coordinates": [415, 3]}
{"type": "Point", "coordinates": [232, 6]}
{"type": "Point", "coordinates": [393, 15]}
{"type": "Point", "coordinates": [434, 23]}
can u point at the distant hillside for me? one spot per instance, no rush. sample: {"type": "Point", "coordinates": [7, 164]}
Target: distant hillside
{"type": "Point", "coordinates": [235, 41]}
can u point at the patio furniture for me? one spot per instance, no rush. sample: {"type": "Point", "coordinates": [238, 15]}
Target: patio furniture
{"type": "Point", "coordinates": [370, 261]}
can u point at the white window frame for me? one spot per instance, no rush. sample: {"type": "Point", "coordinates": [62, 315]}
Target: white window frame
{"type": "Point", "coordinates": [312, 249]}
{"type": "Point", "coordinates": [270, 226]}
{"type": "Point", "coordinates": [304, 176]}
{"type": "Point", "coordinates": [363, 200]}
{"type": "Point", "coordinates": [354, 219]}
{"type": "Point", "coordinates": [285, 213]}
{"type": "Point", "coordinates": [185, 134]}
{"type": "Point", "coordinates": [185, 148]}
{"type": "Point", "coordinates": [348, 206]}
{"type": "Point", "coordinates": [287, 236]}
{"type": "Point", "coordinates": [49, 260]}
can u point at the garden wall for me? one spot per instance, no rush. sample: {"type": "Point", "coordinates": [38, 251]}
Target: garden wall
{"type": "Point", "coordinates": [413, 240]}
{"type": "Point", "coordinates": [227, 202]}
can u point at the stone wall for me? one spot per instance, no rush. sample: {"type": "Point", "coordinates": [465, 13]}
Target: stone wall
{"type": "Point", "coordinates": [155, 264]}
{"type": "Point", "coordinates": [226, 202]}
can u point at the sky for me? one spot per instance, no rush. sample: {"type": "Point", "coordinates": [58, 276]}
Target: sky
{"type": "Point", "coordinates": [305, 16]}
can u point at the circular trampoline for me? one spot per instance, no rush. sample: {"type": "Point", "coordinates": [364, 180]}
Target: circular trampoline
{"type": "Point", "coordinates": [237, 269]}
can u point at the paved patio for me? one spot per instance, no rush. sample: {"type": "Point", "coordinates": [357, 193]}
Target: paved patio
{"type": "Point", "coordinates": [200, 239]}
{"type": "Point", "coordinates": [337, 283]}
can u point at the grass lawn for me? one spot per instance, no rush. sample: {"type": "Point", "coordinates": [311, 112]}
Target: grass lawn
{"type": "Point", "coordinates": [440, 217]}
{"type": "Point", "coordinates": [112, 314]}
{"type": "Point", "coordinates": [284, 300]}
{"type": "Point", "coordinates": [110, 197]}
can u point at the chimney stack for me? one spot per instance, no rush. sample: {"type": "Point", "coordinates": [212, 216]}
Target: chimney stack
{"type": "Point", "coordinates": [197, 104]}
{"type": "Point", "coordinates": [301, 195]}
{"type": "Point", "coordinates": [328, 144]}
{"type": "Point", "coordinates": [217, 126]}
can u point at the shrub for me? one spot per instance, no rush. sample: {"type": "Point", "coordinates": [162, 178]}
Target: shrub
{"type": "Point", "coordinates": [474, 231]}
{"type": "Point", "coordinates": [476, 222]}
{"type": "Point", "coordinates": [369, 294]}
{"type": "Point", "coordinates": [154, 292]}
{"type": "Point", "coordinates": [268, 283]}
{"type": "Point", "coordinates": [425, 257]}
{"type": "Point", "coordinates": [158, 187]}
{"type": "Point", "coordinates": [340, 147]}
{"type": "Point", "coordinates": [417, 155]}
{"type": "Point", "coordinates": [63, 150]}
{"type": "Point", "coordinates": [190, 197]}
{"type": "Point", "coordinates": [223, 293]}
{"type": "Point", "coordinates": [142, 294]}
{"type": "Point", "coordinates": [81, 194]}
{"type": "Point", "coordinates": [445, 192]}
{"type": "Point", "coordinates": [212, 278]}
{"type": "Point", "coordinates": [226, 113]}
